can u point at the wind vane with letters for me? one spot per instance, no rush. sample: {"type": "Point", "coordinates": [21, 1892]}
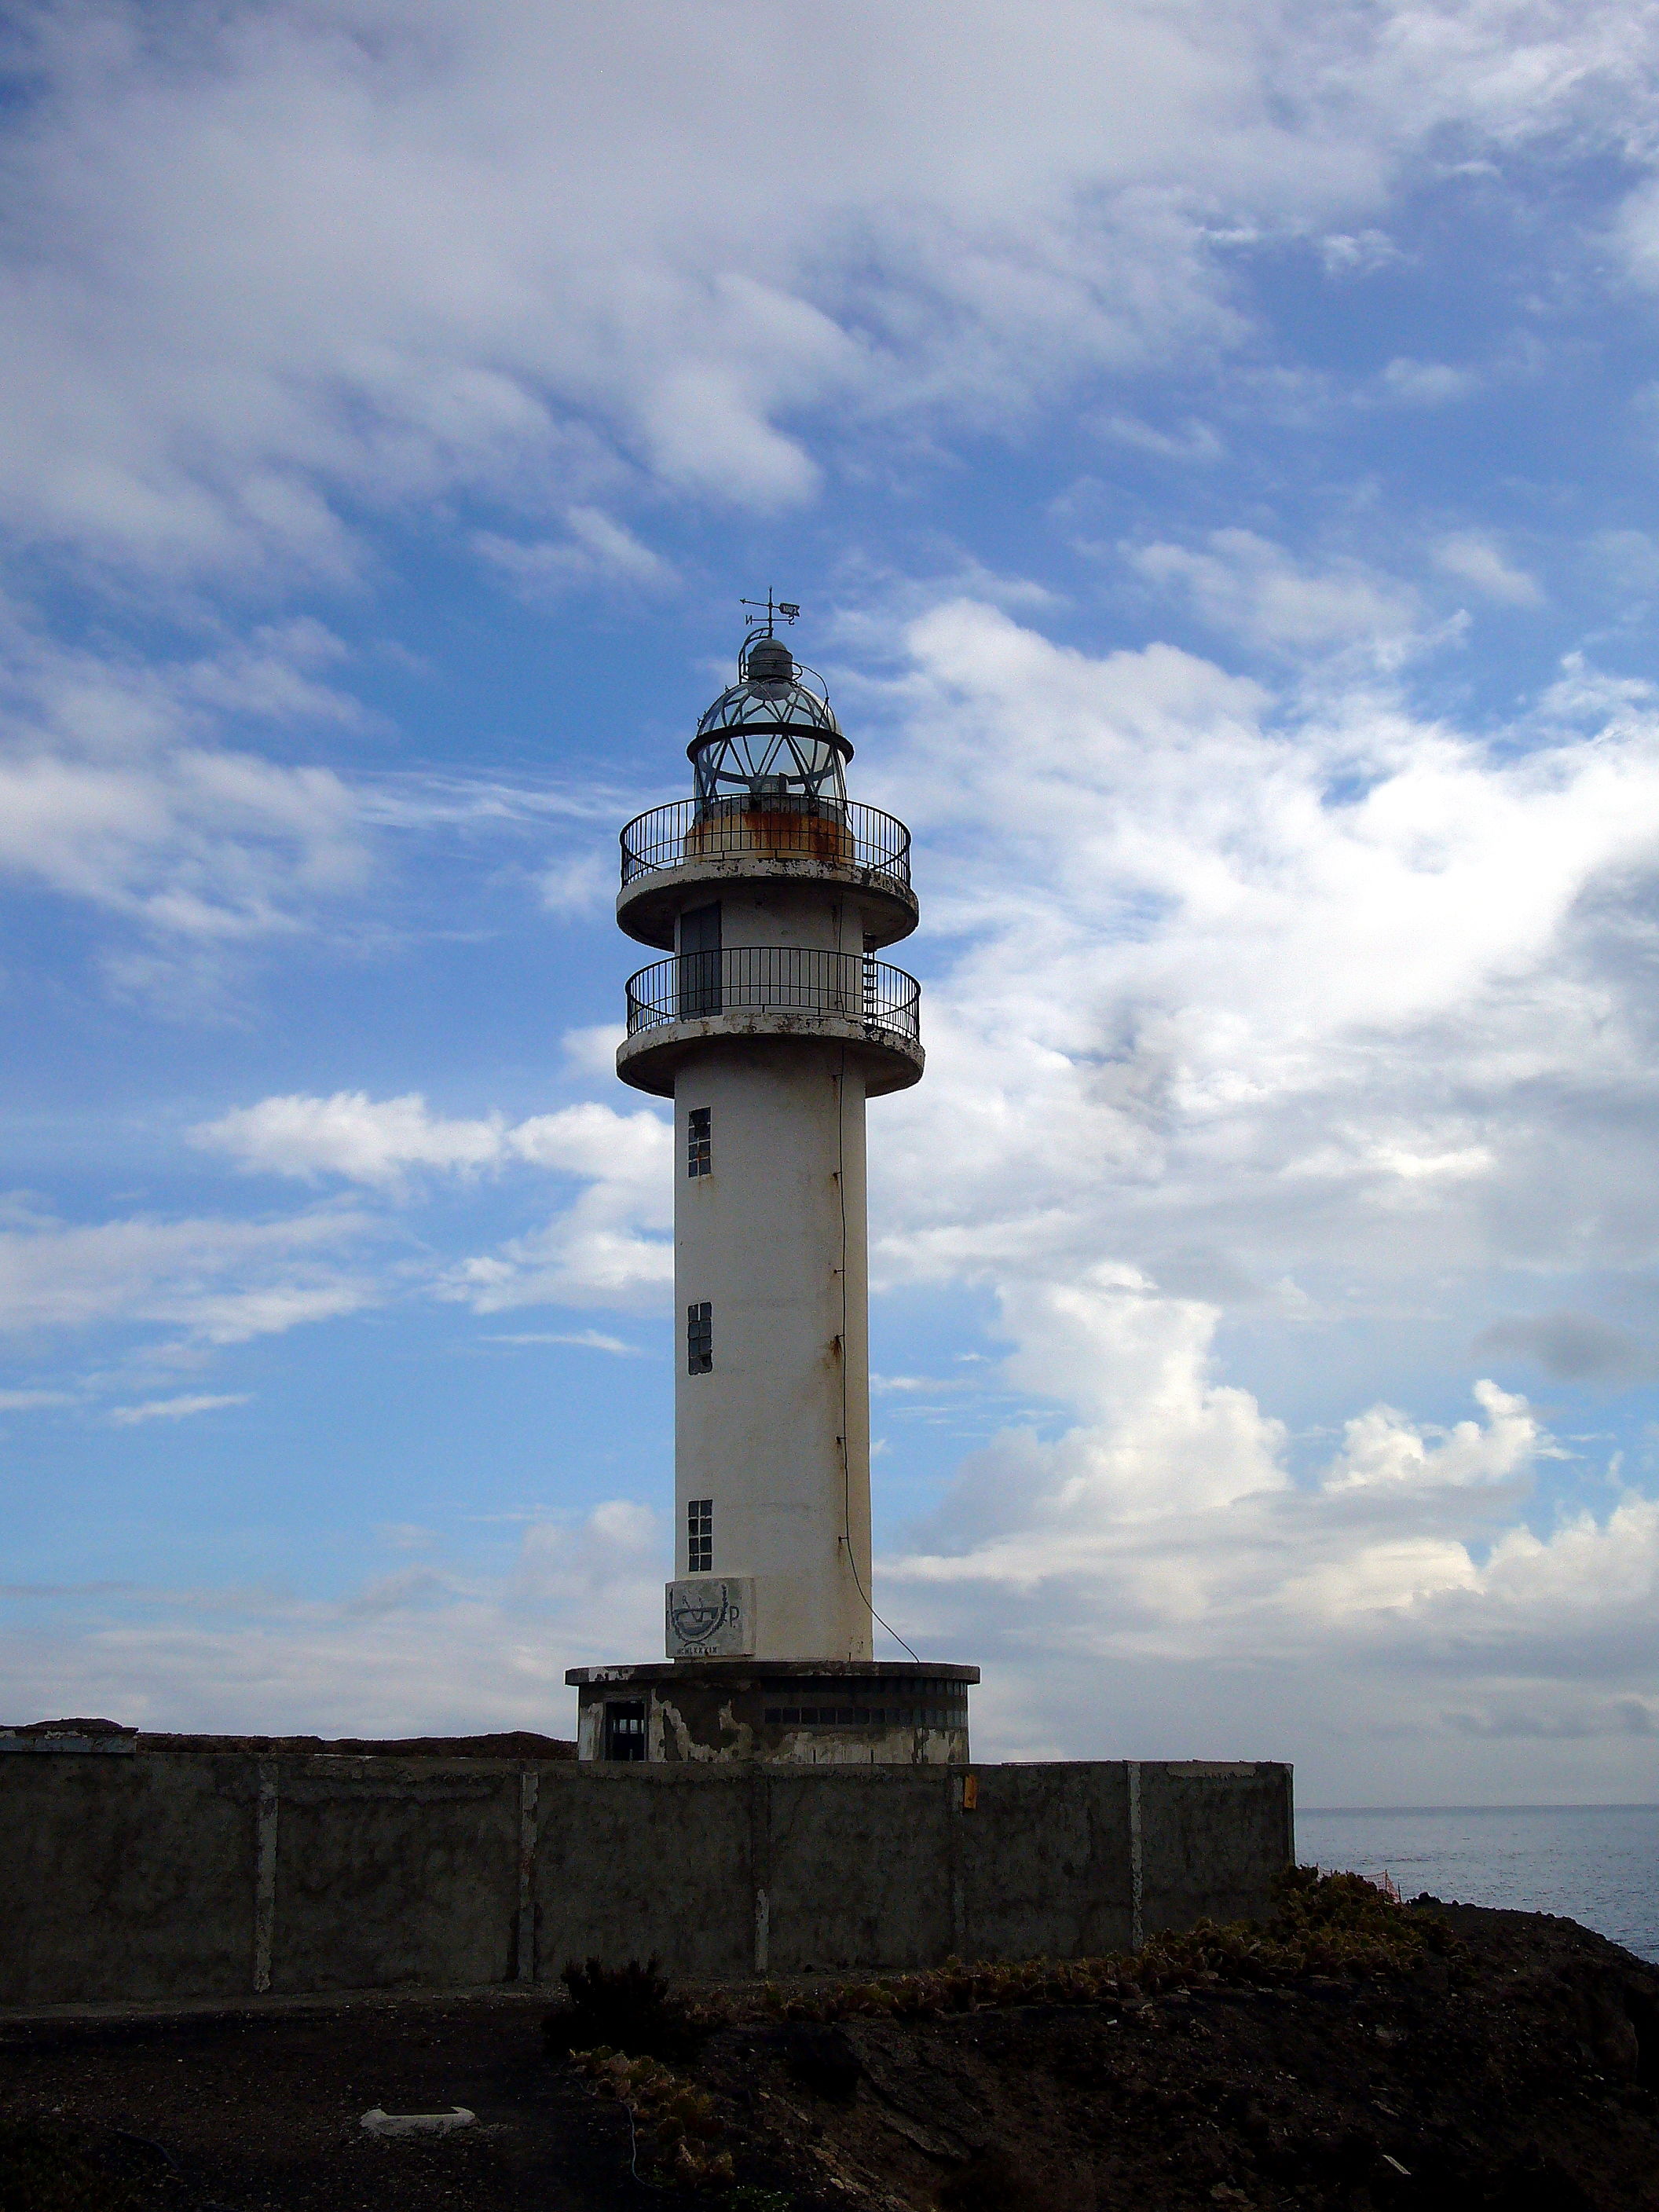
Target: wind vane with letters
{"type": "Point", "coordinates": [772, 612]}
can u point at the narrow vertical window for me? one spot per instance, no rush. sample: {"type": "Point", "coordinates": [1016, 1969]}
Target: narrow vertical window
{"type": "Point", "coordinates": [700, 1339]}
{"type": "Point", "coordinates": [699, 1141]}
{"type": "Point", "coordinates": [699, 1535]}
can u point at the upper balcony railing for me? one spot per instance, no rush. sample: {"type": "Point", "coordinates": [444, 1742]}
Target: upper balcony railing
{"type": "Point", "coordinates": [847, 835]}
{"type": "Point", "coordinates": [776, 979]}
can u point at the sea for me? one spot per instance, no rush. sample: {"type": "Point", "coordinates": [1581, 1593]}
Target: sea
{"type": "Point", "coordinates": [1594, 1863]}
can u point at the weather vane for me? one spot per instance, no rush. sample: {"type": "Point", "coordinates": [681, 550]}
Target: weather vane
{"type": "Point", "coordinates": [774, 611]}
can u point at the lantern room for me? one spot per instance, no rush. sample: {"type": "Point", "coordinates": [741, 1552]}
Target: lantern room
{"type": "Point", "coordinates": [771, 739]}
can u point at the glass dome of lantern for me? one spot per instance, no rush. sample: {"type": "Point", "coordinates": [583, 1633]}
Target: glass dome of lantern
{"type": "Point", "coordinates": [771, 739]}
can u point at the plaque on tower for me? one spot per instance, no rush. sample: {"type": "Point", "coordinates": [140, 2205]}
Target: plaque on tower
{"type": "Point", "coordinates": [711, 1617]}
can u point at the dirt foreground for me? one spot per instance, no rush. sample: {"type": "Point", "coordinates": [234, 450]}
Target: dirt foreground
{"type": "Point", "coordinates": [1510, 2065]}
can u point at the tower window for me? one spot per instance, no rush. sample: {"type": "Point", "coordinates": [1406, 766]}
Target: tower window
{"type": "Point", "coordinates": [700, 1339]}
{"type": "Point", "coordinates": [699, 1141]}
{"type": "Point", "coordinates": [699, 1535]}
{"type": "Point", "coordinates": [624, 1728]}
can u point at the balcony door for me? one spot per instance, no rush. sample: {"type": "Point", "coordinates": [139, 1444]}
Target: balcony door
{"type": "Point", "coordinates": [700, 962]}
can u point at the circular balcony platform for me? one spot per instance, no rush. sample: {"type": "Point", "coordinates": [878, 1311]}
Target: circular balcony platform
{"type": "Point", "coordinates": [671, 857]}
{"type": "Point", "coordinates": [776, 1712]}
{"type": "Point", "coordinates": [785, 994]}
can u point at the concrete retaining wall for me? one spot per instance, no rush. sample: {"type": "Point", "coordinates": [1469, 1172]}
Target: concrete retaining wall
{"type": "Point", "coordinates": [156, 1875]}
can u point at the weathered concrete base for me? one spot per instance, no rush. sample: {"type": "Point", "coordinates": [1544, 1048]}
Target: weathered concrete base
{"type": "Point", "coordinates": [791, 1712]}
{"type": "Point", "coordinates": [162, 1875]}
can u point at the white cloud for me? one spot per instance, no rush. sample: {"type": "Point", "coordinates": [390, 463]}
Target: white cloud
{"type": "Point", "coordinates": [586, 1339]}
{"type": "Point", "coordinates": [1382, 1447]}
{"type": "Point", "coordinates": [378, 1141]}
{"type": "Point", "coordinates": [606, 1248]}
{"type": "Point", "coordinates": [221, 1281]}
{"type": "Point", "coordinates": [1193, 442]}
{"type": "Point", "coordinates": [1249, 588]}
{"type": "Point", "coordinates": [174, 1409]}
{"type": "Point", "coordinates": [1327, 1012]}
{"type": "Point", "coordinates": [438, 1649]}
{"type": "Point", "coordinates": [366, 1141]}
{"type": "Point", "coordinates": [116, 787]}
{"type": "Point", "coordinates": [1347, 253]}
{"type": "Point", "coordinates": [1475, 558]}
{"type": "Point", "coordinates": [597, 550]}
{"type": "Point", "coordinates": [610, 1248]}
{"type": "Point", "coordinates": [555, 279]}
{"type": "Point", "coordinates": [1427, 383]}
{"type": "Point", "coordinates": [1153, 1579]}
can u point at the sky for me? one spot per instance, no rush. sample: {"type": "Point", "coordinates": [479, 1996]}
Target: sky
{"type": "Point", "coordinates": [1216, 447]}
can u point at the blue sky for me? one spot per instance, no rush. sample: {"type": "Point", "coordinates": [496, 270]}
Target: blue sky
{"type": "Point", "coordinates": [1216, 450]}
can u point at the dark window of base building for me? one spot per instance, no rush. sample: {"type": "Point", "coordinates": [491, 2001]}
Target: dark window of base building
{"type": "Point", "coordinates": [922, 1717]}
{"type": "Point", "coordinates": [624, 1729]}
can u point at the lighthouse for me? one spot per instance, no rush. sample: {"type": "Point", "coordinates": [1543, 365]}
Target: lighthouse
{"type": "Point", "coordinates": [770, 1022]}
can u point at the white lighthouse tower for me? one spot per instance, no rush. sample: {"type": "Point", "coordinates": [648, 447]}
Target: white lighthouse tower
{"type": "Point", "coordinates": [770, 1023]}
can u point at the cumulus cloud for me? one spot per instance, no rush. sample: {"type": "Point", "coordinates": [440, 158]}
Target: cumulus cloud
{"type": "Point", "coordinates": [1247, 588]}
{"type": "Point", "coordinates": [597, 550]}
{"type": "Point", "coordinates": [1154, 1577]}
{"type": "Point", "coordinates": [606, 1248]}
{"type": "Point", "coordinates": [553, 281]}
{"type": "Point", "coordinates": [378, 1141]}
{"type": "Point", "coordinates": [1300, 1012]}
{"type": "Point", "coordinates": [221, 1281]}
{"type": "Point", "coordinates": [117, 786]}
{"type": "Point", "coordinates": [351, 1134]}
{"type": "Point", "coordinates": [1475, 558]}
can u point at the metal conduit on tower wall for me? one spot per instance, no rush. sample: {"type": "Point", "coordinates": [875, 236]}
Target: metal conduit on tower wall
{"type": "Point", "coordinates": [769, 1025]}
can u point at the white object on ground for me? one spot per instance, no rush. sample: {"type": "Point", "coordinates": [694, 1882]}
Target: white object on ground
{"type": "Point", "coordinates": [418, 2124]}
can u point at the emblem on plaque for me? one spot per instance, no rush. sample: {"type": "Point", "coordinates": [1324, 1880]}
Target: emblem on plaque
{"type": "Point", "coordinates": [711, 1617]}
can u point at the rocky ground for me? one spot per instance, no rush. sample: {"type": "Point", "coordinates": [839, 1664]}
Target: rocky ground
{"type": "Point", "coordinates": [1463, 2059]}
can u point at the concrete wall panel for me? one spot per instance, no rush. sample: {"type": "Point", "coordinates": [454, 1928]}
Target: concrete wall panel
{"type": "Point", "coordinates": [391, 1873]}
{"type": "Point", "coordinates": [1213, 1835]}
{"type": "Point", "coordinates": [1045, 1862]}
{"type": "Point", "coordinates": [125, 1876]}
{"type": "Point", "coordinates": [857, 1867]}
{"type": "Point", "coordinates": [641, 1861]}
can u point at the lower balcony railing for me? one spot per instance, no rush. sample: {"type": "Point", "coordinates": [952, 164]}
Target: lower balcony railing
{"type": "Point", "coordinates": [775, 979]}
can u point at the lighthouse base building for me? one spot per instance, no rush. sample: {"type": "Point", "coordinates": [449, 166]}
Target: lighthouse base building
{"type": "Point", "coordinates": [798, 1712]}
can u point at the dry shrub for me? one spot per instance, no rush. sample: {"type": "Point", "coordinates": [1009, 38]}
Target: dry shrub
{"type": "Point", "coordinates": [671, 2120]}
{"type": "Point", "coordinates": [1336, 1924]}
{"type": "Point", "coordinates": [630, 2007]}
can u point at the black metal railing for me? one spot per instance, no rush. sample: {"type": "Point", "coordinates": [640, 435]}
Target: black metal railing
{"type": "Point", "coordinates": [847, 834]}
{"type": "Point", "coordinates": [775, 979]}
